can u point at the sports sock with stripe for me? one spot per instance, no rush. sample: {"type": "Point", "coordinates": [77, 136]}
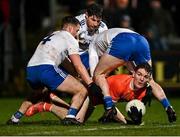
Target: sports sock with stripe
{"type": "Point", "coordinates": [165, 103]}
{"type": "Point", "coordinates": [17, 115]}
{"type": "Point", "coordinates": [108, 102]}
{"type": "Point", "coordinates": [72, 112]}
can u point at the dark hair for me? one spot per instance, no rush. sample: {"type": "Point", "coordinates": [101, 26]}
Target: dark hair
{"type": "Point", "coordinates": [69, 20]}
{"type": "Point", "coordinates": [145, 66]}
{"type": "Point", "coordinates": [95, 9]}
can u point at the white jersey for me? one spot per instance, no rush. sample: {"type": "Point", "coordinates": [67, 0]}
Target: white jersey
{"type": "Point", "coordinates": [100, 43]}
{"type": "Point", "coordinates": [54, 48]}
{"type": "Point", "coordinates": [84, 36]}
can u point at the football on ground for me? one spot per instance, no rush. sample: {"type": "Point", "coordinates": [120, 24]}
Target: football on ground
{"type": "Point", "coordinates": [137, 103]}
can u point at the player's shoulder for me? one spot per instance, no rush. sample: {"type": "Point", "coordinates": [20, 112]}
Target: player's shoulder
{"type": "Point", "coordinates": [66, 36]}
{"type": "Point", "coordinates": [119, 78]}
{"type": "Point", "coordinates": [63, 34]}
{"type": "Point", "coordinates": [82, 19]}
{"type": "Point", "coordinates": [102, 27]}
{"type": "Point", "coordinates": [66, 33]}
{"type": "Point", "coordinates": [103, 24]}
{"type": "Point", "coordinates": [124, 76]}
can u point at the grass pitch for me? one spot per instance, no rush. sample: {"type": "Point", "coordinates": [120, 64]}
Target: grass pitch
{"type": "Point", "coordinates": [156, 123]}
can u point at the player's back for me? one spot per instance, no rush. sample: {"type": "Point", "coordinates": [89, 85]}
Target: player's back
{"type": "Point", "coordinates": [121, 88]}
{"type": "Point", "coordinates": [102, 40]}
{"type": "Point", "coordinates": [53, 49]}
{"type": "Point", "coordinates": [107, 35]}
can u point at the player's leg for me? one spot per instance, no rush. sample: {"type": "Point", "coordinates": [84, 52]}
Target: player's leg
{"type": "Point", "coordinates": [83, 111]}
{"type": "Point", "coordinates": [120, 117]}
{"type": "Point", "coordinates": [72, 86]}
{"type": "Point", "coordinates": [32, 98]}
{"type": "Point", "coordinates": [56, 79]}
{"type": "Point", "coordinates": [106, 64]}
{"type": "Point", "coordinates": [58, 111]}
{"type": "Point", "coordinates": [58, 101]}
{"type": "Point", "coordinates": [48, 106]}
{"type": "Point", "coordinates": [89, 106]}
{"type": "Point", "coordinates": [20, 113]}
{"type": "Point", "coordinates": [34, 108]}
{"type": "Point", "coordinates": [33, 80]}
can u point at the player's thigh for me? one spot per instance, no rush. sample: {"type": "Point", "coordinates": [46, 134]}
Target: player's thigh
{"type": "Point", "coordinates": [71, 85]}
{"type": "Point", "coordinates": [107, 63]}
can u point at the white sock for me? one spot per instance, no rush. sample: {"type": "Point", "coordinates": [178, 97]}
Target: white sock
{"type": "Point", "coordinates": [70, 116]}
{"type": "Point", "coordinates": [14, 119]}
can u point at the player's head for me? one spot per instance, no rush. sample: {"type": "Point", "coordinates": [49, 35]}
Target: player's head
{"type": "Point", "coordinates": [142, 75]}
{"type": "Point", "coordinates": [93, 16]}
{"type": "Point", "coordinates": [70, 24]}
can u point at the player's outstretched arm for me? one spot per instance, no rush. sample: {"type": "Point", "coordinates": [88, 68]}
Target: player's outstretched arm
{"type": "Point", "coordinates": [160, 95]}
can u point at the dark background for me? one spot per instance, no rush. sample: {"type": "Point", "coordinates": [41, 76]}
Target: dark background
{"type": "Point", "coordinates": [23, 23]}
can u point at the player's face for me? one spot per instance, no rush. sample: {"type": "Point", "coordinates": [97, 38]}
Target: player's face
{"type": "Point", "coordinates": [75, 30]}
{"type": "Point", "coordinates": [93, 22]}
{"type": "Point", "coordinates": [141, 77]}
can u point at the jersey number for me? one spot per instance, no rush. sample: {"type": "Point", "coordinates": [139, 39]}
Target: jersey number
{"type": "Point", "coordinates": [47, 39]}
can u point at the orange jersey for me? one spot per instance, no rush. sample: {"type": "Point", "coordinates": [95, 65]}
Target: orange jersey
{"type": "Point", "coordinates": [120, 90]}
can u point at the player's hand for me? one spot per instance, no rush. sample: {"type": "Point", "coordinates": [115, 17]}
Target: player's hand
{"type": "Point", "coordinates": [171, 114]}
{"type": "Point", "coordinates": [129, 122]}
{"type": "Point", "coordinates": [135, 115]}
{"type": "Point", "coordinates": [109, 115]}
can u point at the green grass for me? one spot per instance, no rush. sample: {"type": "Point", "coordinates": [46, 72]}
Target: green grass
{"type": "Point", "coordinates": [155, 119]}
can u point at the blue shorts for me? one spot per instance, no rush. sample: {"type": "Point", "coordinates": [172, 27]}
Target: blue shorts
{"type": "Point", "coordinates": [130, 47]}
{"type": "Point", "coordinates": [45, 76]}
{"type": "Point", "coordinates": [85, 59]}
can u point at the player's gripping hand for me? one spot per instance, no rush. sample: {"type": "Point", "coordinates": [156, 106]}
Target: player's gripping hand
{"type": "Point", "coordinates": [109, 115]}
{"type": "Point", "coordinates": [171, 114]}
{"type": "Point", "coordinates": [135, 115]}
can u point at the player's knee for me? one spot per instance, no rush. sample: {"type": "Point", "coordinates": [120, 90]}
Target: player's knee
{"type": "Point", "coordinates": [27, 104]}
{"type": "Point", "coordinates": [98, 77]}
{"type": "Point", "coordinates": [82, 91]}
